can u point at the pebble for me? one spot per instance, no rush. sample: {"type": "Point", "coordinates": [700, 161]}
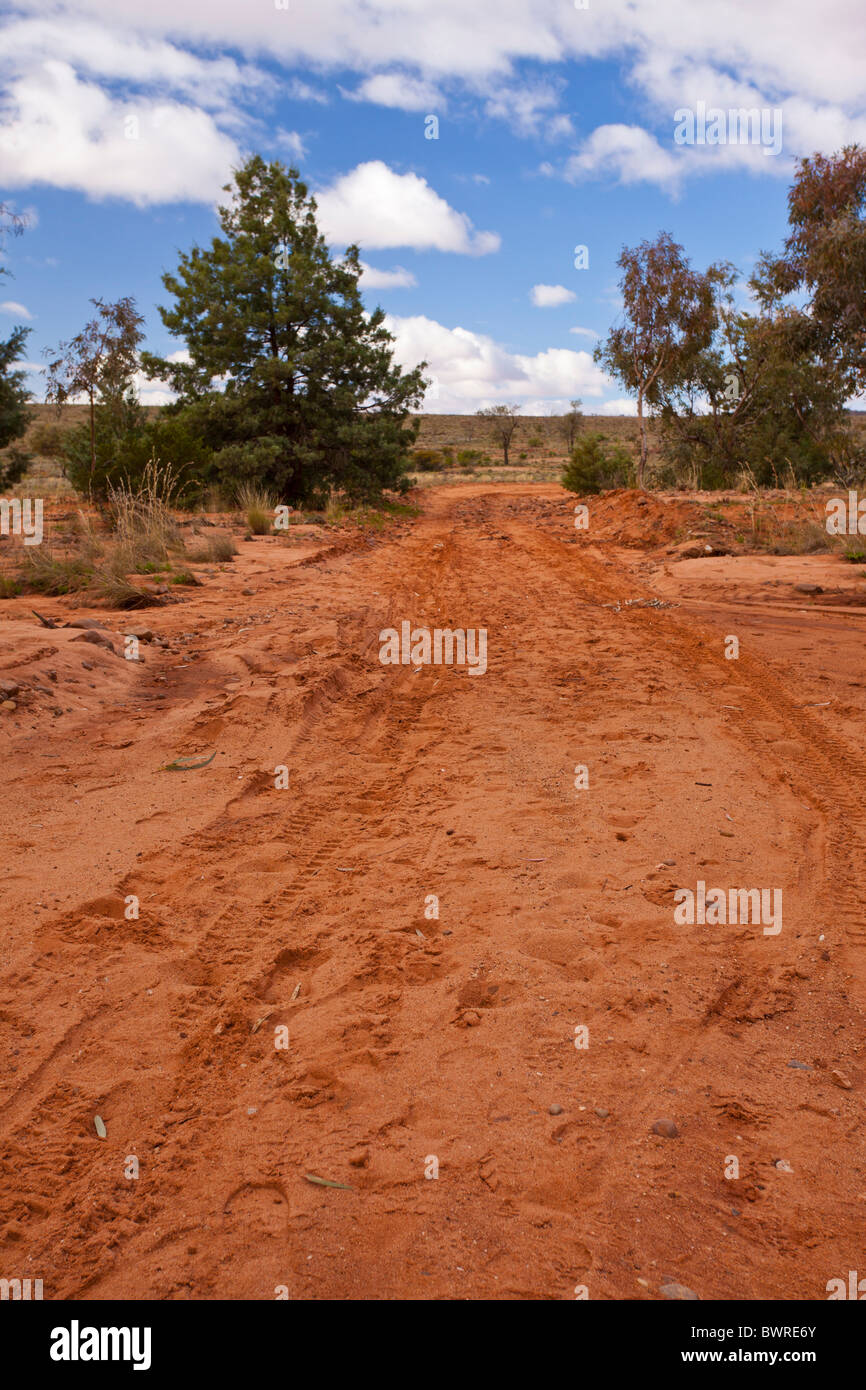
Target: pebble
{"type": "Point", "coordinates": [9, 688]}
{"type": "Point", "coordinates": [800, 1066]}
{"type": "Point", "coordinates": [666, 1128]}
{"type": "Point", "coordinates": [248, 592]}
{"type": "Point", "coordinates": [840, 1079]}
{"type": "Point", "coordinates": [555, 1110]}
{"type": "Point", "coordinates": [8, 704]}
{"type": "Point", "coordinates": [783, 1165]}
{"type": "Point", "coordinates": [679, 1291]}
{"type": "Point", "coordinates": [602, 1114]}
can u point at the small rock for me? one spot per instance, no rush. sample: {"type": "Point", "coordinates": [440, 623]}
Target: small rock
{"type": "Point", "coordinates": [471, 1018]}
{"type": "Point", "coordinates": [679, 1291]}
{"type": "Point", "coordinates": [555, 1110]}
{"type": "Point", "coordinates": [808, 589]}
{"type": "Point", "coordinates": [90, 624]}
{"type": "Point", "coordinates": [799, 1066]}
{"type": "Point", "coordinates": [141, 631]}
{"type": "Point", "coordinates": [248, 593]}
{"type": "Point", "coordinates": [840, 1079]}
{"type": "Point", "coordinates": [783, 1165]}
{"type": "Point", "coordinates": [87, 665]}
{"type": "Point", "coordinates": [8, 689]}
{"type": "Point", "coordinates": [602, 1114]}
{"type": "Point", "coordinates": [666, 1128]}
{"type": "Point", "coordinates": [98, 639]}
{"type": "Point", "coordinates": [360, 1158]}
{"type": "Point", "coordinates": [8, 704]}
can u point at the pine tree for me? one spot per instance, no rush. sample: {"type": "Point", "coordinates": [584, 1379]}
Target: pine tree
{"type": "Point", "coordinates": [290, 381]}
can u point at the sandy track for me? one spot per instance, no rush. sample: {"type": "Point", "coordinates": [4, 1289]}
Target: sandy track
{"type": "Point", "coordinates": [412, 1039]}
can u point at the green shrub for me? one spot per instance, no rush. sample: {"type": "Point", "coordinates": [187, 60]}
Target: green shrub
{"type": "Point", "coordinates": [467, 458]}
{"type": "Point", "coordinates": [597, 464]}
{"type": "Point", "coordinates": [427, 460]}
{"type": "Point", "coordinates": [259, 505]}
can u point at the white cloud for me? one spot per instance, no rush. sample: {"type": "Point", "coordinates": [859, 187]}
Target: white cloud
{"type": "Point", "coordinates": [505, 58]}
{"type": "Point", "coordinates": [400, 90]}
{"type": "Point", "coordinates": [584, 332]}
{"type": "Point", "coordinates": [549, 296]}
{"type": "Point", "coordinates": [396, 279]}
{"type": "Point", "coordinates": [292, 143]}
{"type": "Point", "coordinates": [375, 207]}
{"type": "Point", "coordinates": [11, 306]}
{"type": "Point", "coordinates": [628, 151]}
{"type": "Point", "coordinates": [528, 108]}
{"type": "Point", "coordinates": [472, 370]}
{"type": "Point", "coordinates": [302, 91]}
{"type": "Point", "coordinates": [622, 406]}
{"type": "Point", "coordinates": [59, 130]}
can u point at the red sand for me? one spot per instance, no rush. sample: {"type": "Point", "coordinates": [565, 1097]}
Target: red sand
{"type": "Point", "coordinates": [412, 1039]}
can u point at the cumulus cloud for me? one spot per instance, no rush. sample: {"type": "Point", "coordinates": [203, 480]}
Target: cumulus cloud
{"type": "Point", "coordinates": [396, 279]}
{"type": "Point", "coordinates": [400, 90]}
{"type": "Point", "coordinates": [11, 306]}
{"type": "Point", "coordinates": [376, 207]}
{"type": "Point", "coordinates": [505, 63]}
{"type": "Point", "coordinates": [471, 370]}
{"type": "Point", "coordinates": [57, 129]}
{"type": "Point", "coordinates": [549, 296]}
{"type": "Point", "coordinates": [584, 332]}
{"type": "Point", "coordinates": [627, 151]}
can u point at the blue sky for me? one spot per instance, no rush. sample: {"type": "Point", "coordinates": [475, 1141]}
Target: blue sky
{"type": "Point", "coordinates": [120, 123]}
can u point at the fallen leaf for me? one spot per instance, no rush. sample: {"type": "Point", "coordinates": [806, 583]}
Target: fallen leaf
{"type": "Point", "coordinates": [179, 766]}
{"type": "Point", "coordinates": [326, 1182]}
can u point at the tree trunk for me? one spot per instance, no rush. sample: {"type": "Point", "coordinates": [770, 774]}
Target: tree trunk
{"type": "Point", "coordinates": [92, 440]}
{"type": "Point", "coordinates": [505, 452]}
{"type": "Point", "coordinates": [641, 468]}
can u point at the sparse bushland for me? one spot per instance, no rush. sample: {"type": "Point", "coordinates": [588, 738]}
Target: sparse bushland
{"type": "Point", "coordinates": [138, 535]}
{"type": "Point", "coordinates": [766, 388]}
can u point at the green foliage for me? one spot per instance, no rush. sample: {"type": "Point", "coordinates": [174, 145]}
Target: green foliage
{"type": "Point", "coordinates": [427, 460]}
{"type": "Point", "coordinates": [597, 464]}
{"type": "Point", "coordinates": [99, 362]}
{"type": "Point", "coordinates": [13, 407]}
{"type": "Point", "coordinates": [291, 385]}
{"type": "Point", "coordinates": [126, 442]}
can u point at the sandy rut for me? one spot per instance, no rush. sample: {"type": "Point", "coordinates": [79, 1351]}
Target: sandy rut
{"type": "Point", "coordinates": [483, 1083]}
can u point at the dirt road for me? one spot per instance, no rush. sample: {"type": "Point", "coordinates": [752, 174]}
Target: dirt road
{"type": "Point", "coordinates": [287, 1003]}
